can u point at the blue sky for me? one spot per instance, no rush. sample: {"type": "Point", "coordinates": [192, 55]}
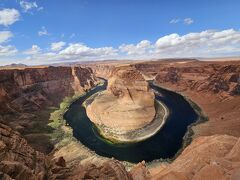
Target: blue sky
{"type": "Point", "coordinates": [49, 31]}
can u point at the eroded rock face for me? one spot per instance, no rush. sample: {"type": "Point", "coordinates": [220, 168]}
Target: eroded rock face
{"type": "Point", "coordinates": [127, 104]}
{"type": "Point", "coordinates": [26, 93]}
{"type": "Point", "coordinates": [207, 157]}
{"type": "Point", "coordinates": [30, 89]}
{"type": "Point", "coordinates": [201, 77]}
{"type": "Point", "coordinates": [20, 161]}
{"type": "Point", "coordinates": [214, 86]}
{"type": "Point", "coordinates": [210, 157]}
{"type": "Point", "coordinates": [17, 159]}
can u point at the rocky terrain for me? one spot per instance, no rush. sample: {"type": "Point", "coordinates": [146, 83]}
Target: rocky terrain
{"type": "Point", "coordinates": [207, 157]}
{"type": "Point", "coordinates": [26, 94]}
{"type": "Point", "coordinates": [214, 86]}
{"type": "Point", "coordinates": [212, 154]}
{"type": "Point", "coordinates": [120, 107]}
{"type": "Point", "coordinates": [20, 161]}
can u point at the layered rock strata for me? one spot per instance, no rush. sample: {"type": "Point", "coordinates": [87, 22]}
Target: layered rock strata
{"type": "Point", "coordinates": [25, 95]}
{"type": "Point", "coordinates": [209, 157]}
{"type": "Point", "coordinates": [126, 105]}
{"type": "Point", "coordinates": [18, 160]}
{"type": "Point", "coordinates": [213, 85]}
{"type": "Point", "coordinates": [31, 88]}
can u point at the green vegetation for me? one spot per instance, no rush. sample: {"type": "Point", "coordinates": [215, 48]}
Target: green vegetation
{"type": "Point", "coordinates": [62, 133]}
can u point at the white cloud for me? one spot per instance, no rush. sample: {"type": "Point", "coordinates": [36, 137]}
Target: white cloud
{"type": "Point", "coordinates": [209, 43]}
{"type": "Point", "coordinates": [139, 48]}
{"type": "Point", "coordinates": [5, 36]}
{"type": "Point", "coordinates": [33, 50]}
{"type": "Point", "coordinates": [28, 6]}
{"type": "Point", "coordinates": [205, 43]}
{"type": "Point", "coordinates": [57, 46]}
{"type": "Point", "coordinates": [7, 50]}
{"type": "Point", "coordinates": [188, 21]}
{"type": "Point", "coordinates": [72, 52]}
{"type": "Point", "coordinates": [81, 50]}
{"type": "Point", "coordinates": [174, 21]}
{"type": "Point", "coordinates": [9, 16]}
{"type": "Point", "coordinates": [43, 32]}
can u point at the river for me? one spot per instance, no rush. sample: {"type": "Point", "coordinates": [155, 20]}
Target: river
{"type": "Point", "coordinates": [165, 144]}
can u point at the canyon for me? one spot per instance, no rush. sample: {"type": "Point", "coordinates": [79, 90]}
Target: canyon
{"type": "Point", "coordinates": [27, 152]}
{"type": "Point", "coordinates": [25, 94]}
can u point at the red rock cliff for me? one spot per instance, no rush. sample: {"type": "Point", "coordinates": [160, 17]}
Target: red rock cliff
{"type": "Point", "coordinates": [31, 88]}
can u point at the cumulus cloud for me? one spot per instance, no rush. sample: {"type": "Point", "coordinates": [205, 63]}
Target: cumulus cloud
{"type": "Point", "coordinates": [35, 49]}
{"type": "Point", "coordinates": [7, 50]}
{"type": "Point", "coordinates": [5, 36]}
{"type": "Point", "coordinates": [188, 21]}
{"type": "Point", "coordinates": [43, 32]}
{"type": "Point", "coordinates": [9, 16]}
{"type": "Point", "coordinates": [56, 46]}
{"type": "Point", "coordinates": [205, 43]}
{"type": "Point", "coordinates": [137, 49]}
{"type": "Point", "coordinates": [82, 50]}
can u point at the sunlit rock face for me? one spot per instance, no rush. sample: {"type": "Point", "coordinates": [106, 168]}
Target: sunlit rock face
{"type": "Point", "coordinates": [126, 105]}
{"type": "Point", "coordinates": [30, 89]}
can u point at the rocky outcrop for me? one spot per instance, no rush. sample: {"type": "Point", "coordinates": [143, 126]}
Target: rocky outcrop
{"type": "Point", "coordinates": [207, 157]}
{"type": "Point", "coordinates": [219, 77]}
{"type": "Point", "coordinates": [101, 70]}
{"type": "Point", "coordinates": [17, 159]}
{"type": "Point", "coordinates": [26, 94]}
{"type": "Point", "coordinates": [30, 89]}
{"type": "Point", "coordinates": [121, 106]}
{"type": "Point", "coordinates": [20, 161]}
{"type": "Point", "coordinates": [214, 86]}
{"type": "Point", "coordinates": [210, 157]}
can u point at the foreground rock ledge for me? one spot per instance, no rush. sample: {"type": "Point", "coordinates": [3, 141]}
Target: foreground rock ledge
{"type": "Point", "coordinates": [127, 104]}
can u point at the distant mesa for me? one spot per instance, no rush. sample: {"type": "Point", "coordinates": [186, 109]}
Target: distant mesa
{"type": "Point", "coordinates": [10, 66]}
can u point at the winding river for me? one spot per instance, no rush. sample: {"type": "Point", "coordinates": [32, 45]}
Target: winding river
{"type": "Point", "coordinates": [165, 144]}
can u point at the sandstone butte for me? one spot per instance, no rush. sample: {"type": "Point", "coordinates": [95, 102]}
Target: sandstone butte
{"type": "Point", "coordinates": [126, 105]}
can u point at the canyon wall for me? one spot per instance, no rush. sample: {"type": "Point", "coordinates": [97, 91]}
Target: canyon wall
{"type": "Point", "coordinates": [207, 157]}
{"type": "Point", "coordinates": [18, 160]}
{"type": "Point", "coordinates": [214, 86]}
{"type": "Point", "coordinates": [26, 96]}
{"type": "Point", "coordinates": [32, 88]}
{"type": "Point", "coordinates": [213, 153]}
{"type": "Point", "coordinates": [209, 77]}
{"type": "Point", "coordinates": [101, 70]}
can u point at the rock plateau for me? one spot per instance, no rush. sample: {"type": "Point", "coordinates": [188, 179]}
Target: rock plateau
{"type": "Point", "coordinates": [126, 105]}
